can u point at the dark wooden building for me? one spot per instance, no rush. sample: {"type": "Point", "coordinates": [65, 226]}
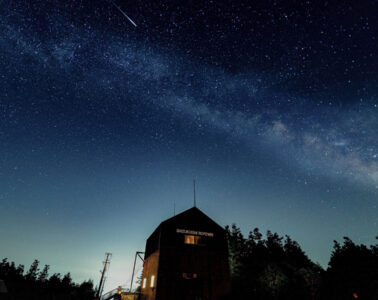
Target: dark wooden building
{"type": "Point", "coordinates": [186, 258]}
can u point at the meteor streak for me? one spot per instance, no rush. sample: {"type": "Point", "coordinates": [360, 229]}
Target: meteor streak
{"type": "Point", "coordinates": [122, 12]}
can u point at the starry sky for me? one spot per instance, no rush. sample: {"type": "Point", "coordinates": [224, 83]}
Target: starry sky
{"type": "Point", "coordinates": [270, 105]}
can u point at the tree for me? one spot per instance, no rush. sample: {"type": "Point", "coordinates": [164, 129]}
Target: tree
{"type": "Point", "coordinates": [67, 281]}
{"type": "Point", "coordinates": [37, 285]}
{"type": "Point", "coordinates": [33, 271]}
{"type": "Point", "coordinates": [352, 272]}
{"type": "Point", "coordinates": [86, 291]}
{"type": "Point", "coordinates": [270, 268]}
{"type": "Point", "coordinates": [55, 281]}
{"type": "Point", "coordinates": [43, 276]}
{"type": "Point", "coordinates": [237, 247]}
{"type": "Point", "coordinates": [273, 281]}
{"type": "Point", "coordinates": [20, 270]}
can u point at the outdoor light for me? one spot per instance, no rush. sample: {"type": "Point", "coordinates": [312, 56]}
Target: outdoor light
{"type": "Point", "coordinates": [144, 283]}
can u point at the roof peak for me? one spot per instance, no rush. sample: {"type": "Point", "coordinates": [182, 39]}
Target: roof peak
{"type": "Point", "coordinates": [188, 211]}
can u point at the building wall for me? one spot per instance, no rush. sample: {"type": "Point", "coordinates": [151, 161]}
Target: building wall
{"type": "Point", "coordinates": [193, 273]}
{"type": "Point", "coordinates": [188, 255]}
{"type": "Point", "coordinates": [150, 268]}
{"type": "Point", "coordinates": [129, 297]}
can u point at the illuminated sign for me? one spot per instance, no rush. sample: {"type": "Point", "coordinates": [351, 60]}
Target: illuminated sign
{"type": "Point", "coordinates": [185, 231]}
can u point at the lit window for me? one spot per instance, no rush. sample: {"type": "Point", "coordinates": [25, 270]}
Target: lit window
{"type": "Point", "coordinates": [152, 281]}
{"type": "Point", "coordinates": [189, 275]}
{"type": "Point", "coordinates": [192, 239]}
{"type": "Point", "coordinates": [144, 282]}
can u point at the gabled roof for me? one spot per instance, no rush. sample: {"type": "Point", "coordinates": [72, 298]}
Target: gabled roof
{"type": "Point", "coordinates": [193, 220]}
{"type": "Point", "coordinates": [191, 215]}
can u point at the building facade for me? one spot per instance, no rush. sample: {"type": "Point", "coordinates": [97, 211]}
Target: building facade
{"type": "Point", "coordinates": [186, 258]}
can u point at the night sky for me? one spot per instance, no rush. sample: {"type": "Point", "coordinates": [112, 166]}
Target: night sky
{"type": "Point", "coordinates": [272, 106]}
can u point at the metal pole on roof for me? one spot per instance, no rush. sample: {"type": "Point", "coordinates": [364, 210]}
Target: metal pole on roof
{"type": "Point", "coordinates": [132, 276]}
{"type": "Point", "coordinates": [137, 254]}
{"type": "Point", "coordinates": [194, 193]}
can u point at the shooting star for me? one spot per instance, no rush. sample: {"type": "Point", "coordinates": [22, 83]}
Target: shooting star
{"type": "Point", "coordinates": [122, 12]}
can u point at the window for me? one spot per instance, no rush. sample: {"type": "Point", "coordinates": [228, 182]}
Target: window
{"type": "Point", "coordinates": [152, 281]}
{"type": "Point", "coordinates": [189, 275]}
{"type": "Point", "coordinates": [192, 239]}
{"type": "Point", "coordinates": [144, 283]}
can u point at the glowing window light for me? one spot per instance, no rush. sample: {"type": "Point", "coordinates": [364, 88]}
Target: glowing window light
{"type": "Point", "coordinates": [192, 239]}
{"type": "Point", "coordinates": [144, 283]}
{"type": "Point", "coordinates": [152, 281]}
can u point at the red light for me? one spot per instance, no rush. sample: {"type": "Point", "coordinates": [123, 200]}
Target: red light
{"type": "Point", "coordinates": [355, 296]}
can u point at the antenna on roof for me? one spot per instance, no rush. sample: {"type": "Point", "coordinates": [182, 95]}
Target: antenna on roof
{"type": "Point", "coordinates": [194, 193]}
{"type": "Point", "coordinates": [174, 208]}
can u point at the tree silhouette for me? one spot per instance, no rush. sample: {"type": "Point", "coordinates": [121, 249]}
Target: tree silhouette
{"type": "Point", "coordinates": [270, 268]}
{"type": "Point", "coordinates": [275, 268]}
{"type": "Point", "coordinates": [33, 271]}
{"type": "Point", "coordinates": [36, 285]}
{"type": "Point", "coordinates": [352, 272]}
{"type": "Point", "coordinates": [44, 274]}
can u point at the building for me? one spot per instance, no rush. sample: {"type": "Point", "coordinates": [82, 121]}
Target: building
{"type": "Point", "coordinates": [186, 258]}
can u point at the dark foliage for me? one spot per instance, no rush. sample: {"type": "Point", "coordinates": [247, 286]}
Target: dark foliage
{"type": "Point", "coordinates": [352, 272]}
{"type": "Point", "coordinates": [36, 284]}
{"type": "Point", "coordinates": [270, 268]}
{"type": "Point", "coordinates": [277, 268]}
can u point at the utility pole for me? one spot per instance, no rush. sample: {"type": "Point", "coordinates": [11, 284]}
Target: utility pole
{"type": "Point", "coordinates": [106, 263]}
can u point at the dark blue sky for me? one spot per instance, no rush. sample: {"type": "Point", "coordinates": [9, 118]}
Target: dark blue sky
{"type": "Point", "coordinates": [271, 106]}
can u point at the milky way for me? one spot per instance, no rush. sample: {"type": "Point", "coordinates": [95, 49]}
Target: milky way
{"type": "Point", "coordinates": [325, 137]}
{"type": "Point", "coordinates": [287, 92]}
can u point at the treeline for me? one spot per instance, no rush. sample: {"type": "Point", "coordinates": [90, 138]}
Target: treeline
{"type": "Point", "coordinates": [276, 267]}
{"type": "Point", "coordinates": [36, 284]}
